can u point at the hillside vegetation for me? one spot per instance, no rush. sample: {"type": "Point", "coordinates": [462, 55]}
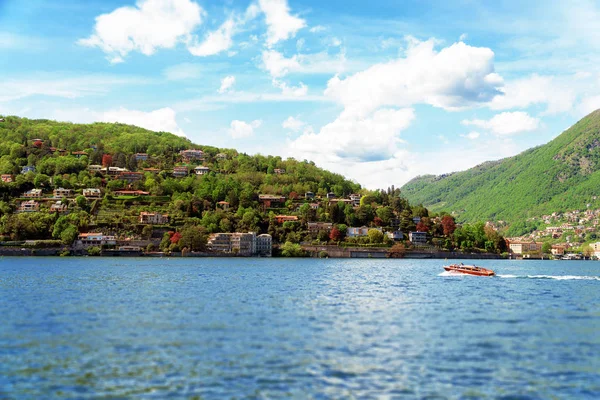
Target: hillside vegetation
{"type": "Point", "coordinates": [559, 176]}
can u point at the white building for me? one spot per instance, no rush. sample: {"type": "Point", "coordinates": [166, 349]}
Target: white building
{"type": "Point", "coordinates": [201, 170]}
{"type": "Point", "coordinates": [244, 244]}
{"type": "Point", "coordinates": [95, 239]}
{"type": "Point", "coordinates": [153, 218]}
{"type": "Point", "coordinates": [264, 245]}
{"type": "Point", "coordinates": [92, 193]}
{"type": "Point", "coordinates": [417, 237]}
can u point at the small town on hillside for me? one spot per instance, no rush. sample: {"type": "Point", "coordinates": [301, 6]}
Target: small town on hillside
{"type": "Point", "coordinates": [116, 207]}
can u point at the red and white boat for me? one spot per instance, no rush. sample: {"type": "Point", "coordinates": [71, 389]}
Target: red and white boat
{"type": "Point", "coordinates": [469, 270]}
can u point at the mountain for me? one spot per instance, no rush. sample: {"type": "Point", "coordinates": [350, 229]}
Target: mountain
{"type": "Point", "coordinates": [561, 175]}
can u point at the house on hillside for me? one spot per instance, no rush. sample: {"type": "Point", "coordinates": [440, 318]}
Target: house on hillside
{"type": "Point", "coordinates": [92, 193]}
{"type": "Point", "coordinates": [95, 239]}
{"type": "Point", "coordinates": [7, 178]}
{"type": "Point", "coordinates": [153, 218]}
{"type": "Point", "coordinates": [59, 193]}
{"type": "Point", "coordinates": [29, 206]}
{"type": "Point", "coordinates": [223, 205]}
{"type": "Point", "coordinates": [27, 168]}
{"type": "Point", "coordinates": [33, 193]}
{"type": "Point", "coordinates": [130, 176]}
{"type": "Point", "coordinates": [180, 172]}
{"type": "Point", "coordinates": [270, 200]}
{"type": "Point", "coordinates": [141, 157]}
{"type": "Point", "coordinates": [358, 232]}
{"type": "Point", "coordinates": [131, 193]}
{"type": "Point", "coordinates": [315, 227]}
{"type": "Point", "coordinates": [201, 170]}
{"type": "Point", "coordinates": [191, 155]}
{"type": "Point", "coordinates": [279, 171]}
{"type": "Point", "coordinates": [59, 207]}
{"type": "Point", "coordinates": [221, 156]}
{"type": "Point", "coordinates": [79, 154]}
{"type": "Point", "coordinates": [280, 219]}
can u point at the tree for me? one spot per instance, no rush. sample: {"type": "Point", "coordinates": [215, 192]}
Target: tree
{"type": "Point", "coordinates": [375, 236]}
{"type": "Point", "coordinates": [290, 249]}
{"type": "Point", "coordinates": [322, 236]}
{"type": "Point", "coordinates": [193, 237]}
{"type": "Point", "coordinates": [335, 234]}
{"type": "Point", "coordinates": [421, 227]}
{"type": "Point", "coordinates": [107, 160]}
{"type": "Point", "coordinates": [397, 251]}
{"type": "Point", "coordinates": [81, 202]}
{"type": "Point", "coordinates": [147, 232]}
{"type": "Point", "coordinates": [448, 225]}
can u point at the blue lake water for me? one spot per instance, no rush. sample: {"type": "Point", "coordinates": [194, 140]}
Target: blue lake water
{"type": "Point", "coordinates": [303, 328]}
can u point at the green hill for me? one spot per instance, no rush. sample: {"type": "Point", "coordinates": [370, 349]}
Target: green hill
{"type": "Point", "coordinates": [561, 175]}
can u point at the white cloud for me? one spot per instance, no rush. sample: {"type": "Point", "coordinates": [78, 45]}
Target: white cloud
{"type": "Point", "coordinates": [535, 89]}
{"type": "Point", "coordinates": [317, 29]}
{"type": "Point", "coordinates": [216, 41]}
{"type": "Point", "coordinates": [506, 123]}
{"type": "Point", "coordinates": [183, 71]}
{"type": "Point", "coordinates": [456, 77]}
{"type": "Point", "coordinates": [161, 120]}
{"type": "Point", "coordinates": [293, 124]}
{"type": "Point", "coordinates": [241, 129]}
{"type": "Point", "coordinates": [471, 135]}
{"type": "Point", "coordinates": [227, 84]}
{"type": "Point", "coordinates": [296, 91]}
{"type": "Point", "coordinates": [463, 37]}
{"type": "Point", "coordinates": [60, 86]}
{"type": "Point", "coordinates": [317, 63]}
{"type": "Point", "coordinates": [336, 42]}
{"type": "Point", "coordinates": [150, 25]}
{"type": "Point", "coordinates": [281, 25]}
{"type": "Point", "coordinates": [374, 138]}
{"type": "Point", "coordinates": [210, 103]}
{"type": "Point", "coordinates": [300, 44]}
{"type": "Point", "coordinates": [589, 104]}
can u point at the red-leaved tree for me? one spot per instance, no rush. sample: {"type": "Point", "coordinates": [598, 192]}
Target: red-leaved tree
{"type": "Point", "coordinates": [335, 234]}
{"type": "Point", "coordinates": [106, 160]}
{"type": "Point", "coordinates": [448, 224]}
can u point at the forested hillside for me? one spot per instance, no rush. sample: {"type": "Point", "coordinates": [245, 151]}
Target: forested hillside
{"type": "Point", "coordinates": [559, 176]}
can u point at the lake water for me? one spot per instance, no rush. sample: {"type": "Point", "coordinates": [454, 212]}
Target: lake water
{"type": "Point", "coordinates": [303, 328]}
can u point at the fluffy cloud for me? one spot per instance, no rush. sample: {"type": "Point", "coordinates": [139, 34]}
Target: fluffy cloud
{"type": "Point", "coordinates": [456, 77]}
{"type": "Point", "coordinates": [294, 91]}
{"type": "Point", "coordinates": [281, 25]}
{"type": "Point", "coordinates": [471, 135]}
{"type": "Point", "coordinates": [150, 25]}
{"type": "Point", "coordinates": [293, 124]}
{"type": "Point", "coordinates": [536, 89]}
{"type": "Point", "coordinates": [374, 138]}
{"type": "Point", "coordinates": [227, 84]}
{"type": "Point", "coordinates": [162, 120]}
{"type": "Point", "coordinates": [317, 63]}
{"type": "Point", "coordinates": [507, 123]}
{"type": "Point", "coordinates": [216, 41]}
{"type": "Point", "coordinates": [241, 129]}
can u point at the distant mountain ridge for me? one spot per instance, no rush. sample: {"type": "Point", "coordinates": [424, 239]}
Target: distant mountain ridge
{"type": "Point", "coordinates": [561, 175]}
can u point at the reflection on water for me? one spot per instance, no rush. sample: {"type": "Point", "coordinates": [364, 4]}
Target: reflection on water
{"type": "Point", "coordinates": [242, 328]}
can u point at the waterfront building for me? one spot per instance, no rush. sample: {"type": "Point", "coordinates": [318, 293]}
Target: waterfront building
{"type": "Point", "coordinates": [521, 247]}
{"type": "Point", "coordinates": [244, 244]}
{"type": "Point", "coordinates": [417, 237]}
{"type": "Point", "coordinates": [95, 239]}
{"type": "Point", "coordinates": [264, 245]}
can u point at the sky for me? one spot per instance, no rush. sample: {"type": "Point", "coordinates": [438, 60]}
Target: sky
{"type": "Point", "coordinates": [379, 91]}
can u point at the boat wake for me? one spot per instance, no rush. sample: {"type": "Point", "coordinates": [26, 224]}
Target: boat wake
{"type": "Point", "coordinates": [453, 273]}
{"type": "Point", "coordinates": [556, 277]}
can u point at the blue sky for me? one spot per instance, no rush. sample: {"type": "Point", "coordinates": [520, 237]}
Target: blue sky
{"type": "Point", "coordinates": [380, 91]}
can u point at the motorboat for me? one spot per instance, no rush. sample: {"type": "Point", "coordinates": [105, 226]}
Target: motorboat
{"type": "Point", "coordinates": [469, 270]}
